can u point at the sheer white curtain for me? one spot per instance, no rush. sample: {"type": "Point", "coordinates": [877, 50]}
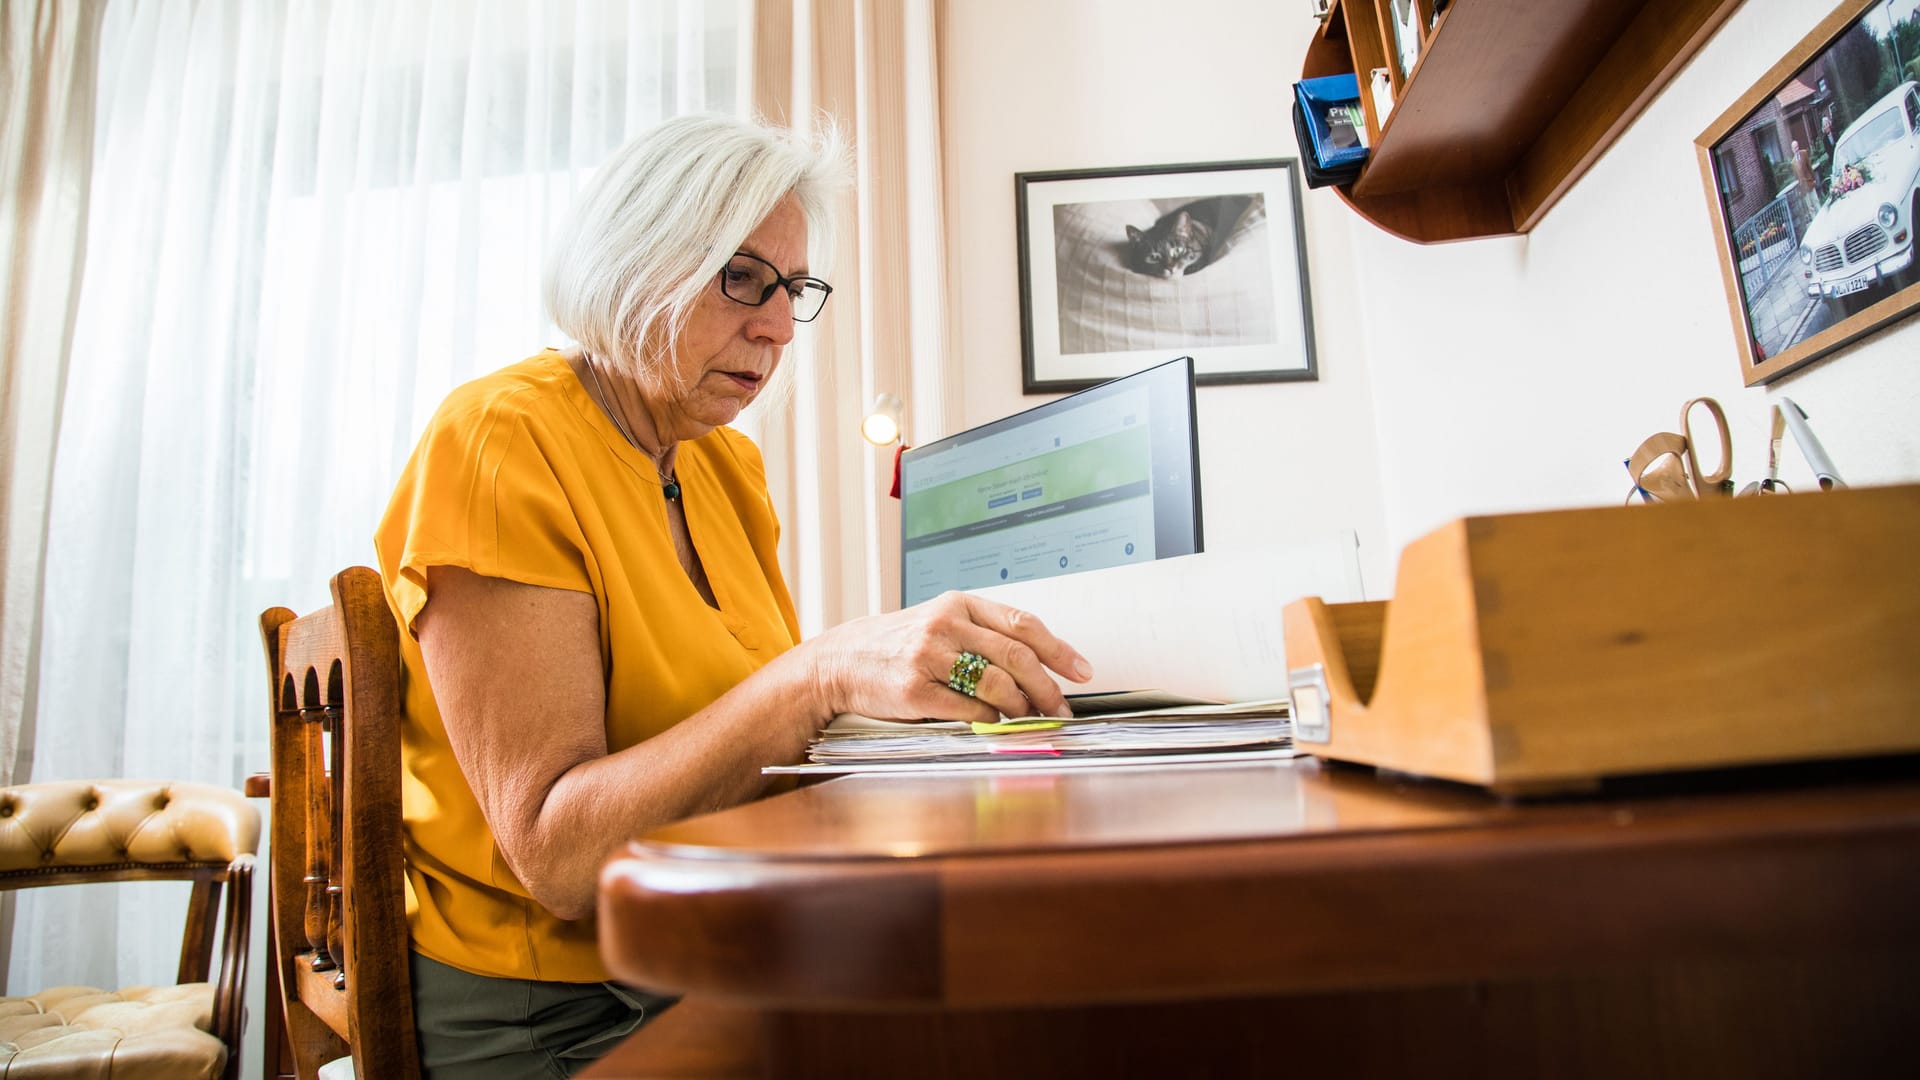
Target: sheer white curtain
{"type": "Point", "coordinates": [309, 220]}
{"type": "Point", "coordinates": [47, 52]}
{"type": "Point", "coordinates": [872, 67]}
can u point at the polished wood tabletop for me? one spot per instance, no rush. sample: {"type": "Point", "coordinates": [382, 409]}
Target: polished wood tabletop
{"type": "Point", "coordinates": [918, 816]}
{"type": "Point", "coordinates": [1016, 889]}
{"type": "Point", "coordinates": [1117, 888]}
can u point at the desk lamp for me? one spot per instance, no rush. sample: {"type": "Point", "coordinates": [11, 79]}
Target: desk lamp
{"type": "Point", "coordinates": [883, 425]}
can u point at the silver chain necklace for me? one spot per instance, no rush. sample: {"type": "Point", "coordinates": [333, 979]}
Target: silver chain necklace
{"type": "Point", "coordinates": [669, 482]}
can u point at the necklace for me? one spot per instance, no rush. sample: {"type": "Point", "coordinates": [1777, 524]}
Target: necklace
{"type": "Point", "coordinates": [669, 482]}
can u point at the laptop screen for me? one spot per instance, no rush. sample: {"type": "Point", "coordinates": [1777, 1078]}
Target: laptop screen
{"type": "Point", "coordinates": [1106, 476]}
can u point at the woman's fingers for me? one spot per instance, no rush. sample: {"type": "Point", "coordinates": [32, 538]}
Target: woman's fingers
{"type": "Point", "coordinates": [1016, 681]}
{"type": "Point", "coordinates": [932, 699]}
{"type": "Point", "coordinates": [1016, 645]}
{"type": "Point", "coordinates": [901, 665]}
{"type": "Point", "coordinates": [997, 688]}
{"type": "Point", "coordinates": [1025, 627]}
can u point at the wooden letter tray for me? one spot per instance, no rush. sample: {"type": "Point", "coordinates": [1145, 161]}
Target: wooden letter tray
{"type": "Point", "coordinates": [1537, 652]}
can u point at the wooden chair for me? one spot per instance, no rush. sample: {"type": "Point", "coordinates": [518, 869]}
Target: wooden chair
{"type": "Point", "coordinates": [85, 831]}
{"type": "Point", "coordinates": [338, 887]}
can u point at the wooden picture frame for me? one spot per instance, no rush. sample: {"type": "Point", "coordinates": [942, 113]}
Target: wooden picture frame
{"type": "Point", "coordinates": [1094, 305]}
{"type": "Point", "coordinates": [1808, 255]}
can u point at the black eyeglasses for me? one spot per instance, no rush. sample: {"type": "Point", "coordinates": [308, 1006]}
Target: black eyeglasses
{"type": "Point", "coordinates": [751, 280]}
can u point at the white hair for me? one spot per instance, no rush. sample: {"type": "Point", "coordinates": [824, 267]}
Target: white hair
{"type": "Point", "coordinates": [665, 213]}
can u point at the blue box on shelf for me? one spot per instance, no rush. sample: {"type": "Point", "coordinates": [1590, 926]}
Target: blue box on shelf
{"type": "Point", "coordinates": [1335, 126]}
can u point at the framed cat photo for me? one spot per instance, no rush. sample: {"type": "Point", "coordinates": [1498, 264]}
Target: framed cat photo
{"type": "Point", "coordinates": [1121, 269]}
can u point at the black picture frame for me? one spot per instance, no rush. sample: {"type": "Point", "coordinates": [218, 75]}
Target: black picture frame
{"type": "Point", "coordinates": [1092, 309]}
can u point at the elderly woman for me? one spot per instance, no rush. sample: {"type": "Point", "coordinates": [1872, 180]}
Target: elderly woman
{"type": "Point", "coordinates": [598, 639]}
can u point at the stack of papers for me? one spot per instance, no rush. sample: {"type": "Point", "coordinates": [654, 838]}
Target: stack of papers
{"type": "Point", "coordinates": [860, 744]}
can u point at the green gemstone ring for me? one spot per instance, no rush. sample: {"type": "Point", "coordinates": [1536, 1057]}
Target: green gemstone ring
{"type": "Point", "coordinates": [965, 674]}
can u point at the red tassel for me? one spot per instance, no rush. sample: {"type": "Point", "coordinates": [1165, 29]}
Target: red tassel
{"type": "Point", "coordinates": [901, 449]}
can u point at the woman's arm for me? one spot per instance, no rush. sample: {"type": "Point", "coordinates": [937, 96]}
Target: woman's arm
{"type": "Point", "coordinates": [516, 673]}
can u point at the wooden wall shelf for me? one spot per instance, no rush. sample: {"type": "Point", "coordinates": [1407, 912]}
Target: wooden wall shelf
{"type": "Point", "coordinates": [1511, 101]}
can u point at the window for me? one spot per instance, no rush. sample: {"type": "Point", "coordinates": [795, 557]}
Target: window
{"type": "Point", "coordinates": [1778, 173]}
{"type": "Point", "coordinates": [308, 222]}
{"type": "Point", "coordinates": [1726, 173]}
{"type": "Point", "coordinates": [405, 259]}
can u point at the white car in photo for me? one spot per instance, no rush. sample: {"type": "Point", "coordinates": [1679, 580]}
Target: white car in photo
{"type": "Point", "coordinates": [1865, 233]}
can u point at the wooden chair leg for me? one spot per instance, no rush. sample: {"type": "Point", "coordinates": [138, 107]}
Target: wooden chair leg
{"type": "Point", "coordinates": [196, 945]}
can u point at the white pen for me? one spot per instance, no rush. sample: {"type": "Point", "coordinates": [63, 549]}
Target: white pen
{"type": "Point", "coordinates": [1810, 447]}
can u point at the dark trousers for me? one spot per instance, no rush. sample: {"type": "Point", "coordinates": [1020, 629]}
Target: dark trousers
{"type": "Point", "coordinates": [490, 1028]}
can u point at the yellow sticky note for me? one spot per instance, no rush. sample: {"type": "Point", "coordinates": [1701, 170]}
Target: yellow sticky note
{"type": "Point", "coordinates": [1008, 727]}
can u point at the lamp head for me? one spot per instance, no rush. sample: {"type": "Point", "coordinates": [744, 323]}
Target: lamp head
{"type": "Point", "coordinates": [882, 424]}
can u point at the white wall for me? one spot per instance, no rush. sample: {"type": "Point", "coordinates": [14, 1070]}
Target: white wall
{"type": "Point", "coordinates": [1068, 84]}
{"type": "Point", "coordinates": [1519, 373]}
{"type": "Point", "coordinates": [1461, 378]}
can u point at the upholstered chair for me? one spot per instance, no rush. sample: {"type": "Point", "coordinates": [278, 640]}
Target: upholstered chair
{"type": "Point", "coordinates": [83, 831]}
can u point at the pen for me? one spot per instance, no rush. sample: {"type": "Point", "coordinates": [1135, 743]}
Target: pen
{"type": "Point", "coordinates": [1645, 496]}
{"type": "Point", "coordinates": [1810, 448]}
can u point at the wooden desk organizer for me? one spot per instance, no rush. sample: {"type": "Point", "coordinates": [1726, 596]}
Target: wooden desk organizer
{"type": "Point", "coordinates": [1539, 652]}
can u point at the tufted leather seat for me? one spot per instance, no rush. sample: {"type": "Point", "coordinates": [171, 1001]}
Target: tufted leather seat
{"type": "Point", "coordinates": [71, 832]}
{"type": "Point", "coordinates": [142, 1031]}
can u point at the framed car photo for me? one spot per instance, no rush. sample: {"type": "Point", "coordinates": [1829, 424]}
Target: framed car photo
{"type": "Point", "coordinates": [1121, 269]}
{"type": "Point", "coordinates": [1814, 175]}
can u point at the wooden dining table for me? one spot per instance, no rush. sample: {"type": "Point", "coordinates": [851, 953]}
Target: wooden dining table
{"type": "Point", "coordinates": [1268, 919]}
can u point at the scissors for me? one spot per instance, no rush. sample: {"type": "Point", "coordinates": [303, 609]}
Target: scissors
{"type": "Point", "coordinates": [1772, 485]}
{"type": "Point", "coordinates": [1720, 481]}
{"type": "Point", "coordinates": [1657, 469]}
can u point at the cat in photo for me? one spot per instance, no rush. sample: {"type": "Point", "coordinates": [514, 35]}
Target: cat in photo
{"type": "Point", "coordinates": [1186, 240]}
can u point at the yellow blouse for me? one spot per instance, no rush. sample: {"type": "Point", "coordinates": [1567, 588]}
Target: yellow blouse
{"type": "Point", "coordinates": [521, 476]}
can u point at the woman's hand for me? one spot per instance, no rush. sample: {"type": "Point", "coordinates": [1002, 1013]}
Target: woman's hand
{"type": "Point", "coordinates": [897, 666]}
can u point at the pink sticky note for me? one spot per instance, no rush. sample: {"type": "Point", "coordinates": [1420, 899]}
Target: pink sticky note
{"type": "Point", "coordinates": [1042, 749]}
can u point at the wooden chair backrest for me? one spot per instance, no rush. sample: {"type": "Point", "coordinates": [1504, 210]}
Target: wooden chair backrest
{"type": "Point", "coordinates": [338, 885]}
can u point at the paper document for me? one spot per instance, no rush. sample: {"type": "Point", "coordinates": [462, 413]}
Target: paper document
{"type": "Point", "coordinates": [1114, 701]}
{"type": "Point", "coordinates": [1191, 650]}
{"type": "Point", "coordinates": [1011, 763]}
{"type": "Point", "coordinates": [860, 741]}
{"type": "Point", "coordinates": [1203, 627]}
